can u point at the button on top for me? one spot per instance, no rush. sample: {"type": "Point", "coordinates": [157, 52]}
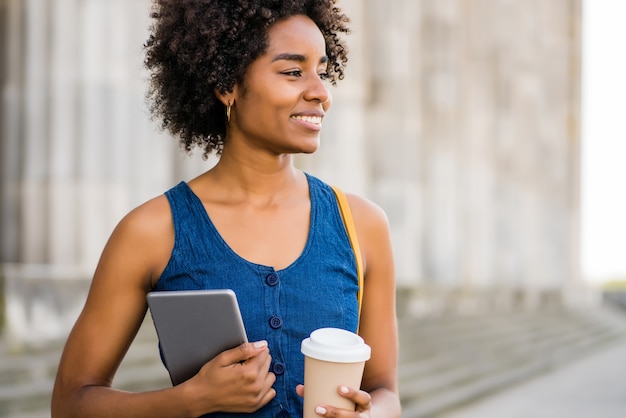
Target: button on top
{"type": "Point", "coordinates": [271, 279]}
{"type": "Point", "coordinates": [276, 322]}
{"type": "Point", "coordinates": [279, 368]}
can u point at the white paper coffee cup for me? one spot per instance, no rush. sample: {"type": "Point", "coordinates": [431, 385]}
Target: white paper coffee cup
{"type": "Point", "coordinates": [332, 357]}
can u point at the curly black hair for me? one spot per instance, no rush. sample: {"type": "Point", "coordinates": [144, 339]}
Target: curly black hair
{"type": "Point", "coordinates": [199, 46]}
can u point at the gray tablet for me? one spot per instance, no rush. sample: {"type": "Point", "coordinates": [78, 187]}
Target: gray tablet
{"type": "Point", "coordinates": [194, 326]}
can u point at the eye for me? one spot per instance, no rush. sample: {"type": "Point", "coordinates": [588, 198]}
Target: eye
{"type": "Point", "coordinates": [324, 75]}
{"type": "Point", "coordinates": [293, 73]}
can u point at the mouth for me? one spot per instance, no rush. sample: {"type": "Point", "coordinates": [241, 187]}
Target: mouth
{"type": "Point", "coordinates": [313, 120]}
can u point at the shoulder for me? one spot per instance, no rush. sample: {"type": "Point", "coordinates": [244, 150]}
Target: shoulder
{"type": "Point", "coordinates": [372, 229]}
{"type": "Point", "coordinates": [364, 211]}
{"type": "Point", "coordinates": [369, 218]}
{"type": "Point", "coordinates": [147, 232]}
{"type": "Point", "coordinates": [367, 214]}
{"type": "Point", "coordinates": [148, 220]}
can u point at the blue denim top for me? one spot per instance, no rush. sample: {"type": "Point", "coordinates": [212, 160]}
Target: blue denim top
{"type": "Point", "coordinates": [281, 306]}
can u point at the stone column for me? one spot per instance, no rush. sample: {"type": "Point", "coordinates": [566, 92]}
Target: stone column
{"type": "Point", "coordinates": [394, 124]}
{"type": "Point", "coordinates": [11, 73]}
{"type": "Point", "coordinates": [34, 244]}
{"type": "Point", "coordinates": [499, 143]}
{"type": "Point", "coordinates": [63, 73]}
{"type": "Point", "coordinates": [441, 54]}
{"type": "Point", "coordinates": [78, 150]}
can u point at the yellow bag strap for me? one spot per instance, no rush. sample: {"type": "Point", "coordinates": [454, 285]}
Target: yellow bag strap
{"type": "Point", "coordinates": [346, 214]}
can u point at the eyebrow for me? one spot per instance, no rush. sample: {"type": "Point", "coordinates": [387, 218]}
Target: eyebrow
{"type": "Point", "coordinates": [296, 57]}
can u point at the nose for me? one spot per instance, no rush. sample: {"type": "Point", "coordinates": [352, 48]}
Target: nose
{"type": "Point", "coordinates": [317, 90]}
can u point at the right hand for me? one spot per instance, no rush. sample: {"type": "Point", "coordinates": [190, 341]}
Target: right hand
{"type": "Point", "coordinates": [237, 380]}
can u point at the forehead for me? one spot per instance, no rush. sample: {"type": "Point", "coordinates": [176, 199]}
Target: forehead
{"type": "Point", "coordinates": [296, 34]}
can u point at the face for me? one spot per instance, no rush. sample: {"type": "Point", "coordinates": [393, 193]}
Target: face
{"type": "Point", "coordinates": [280, 105]}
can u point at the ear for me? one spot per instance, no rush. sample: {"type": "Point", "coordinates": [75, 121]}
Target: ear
{"type": "Point", "coordinates": [226, 98]}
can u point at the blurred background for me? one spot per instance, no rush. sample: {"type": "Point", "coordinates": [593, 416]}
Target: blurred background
{"type": "Point", "coordinates": [491, 132]}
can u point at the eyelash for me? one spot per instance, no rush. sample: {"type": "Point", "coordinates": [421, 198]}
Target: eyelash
{"type": "Point", "coordinates": [294, 73]}
{"type": "Point", "coordinates": [298, 73]}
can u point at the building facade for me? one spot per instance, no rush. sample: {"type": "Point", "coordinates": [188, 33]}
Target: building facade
{"type": "Point", "coordinates": [459, 117]}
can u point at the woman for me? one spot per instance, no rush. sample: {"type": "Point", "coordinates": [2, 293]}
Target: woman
{"type": "Point", "coordinates": [247, 80]}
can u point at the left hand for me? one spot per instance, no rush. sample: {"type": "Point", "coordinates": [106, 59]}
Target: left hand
{"type": "Point", "coordinates": [361, 399]}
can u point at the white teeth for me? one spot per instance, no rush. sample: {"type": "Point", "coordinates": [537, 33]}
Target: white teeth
{"type": "Point", "coordinates": [310, 119]}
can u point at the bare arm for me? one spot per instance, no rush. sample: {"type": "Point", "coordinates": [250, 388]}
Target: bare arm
{"type": "Point", "coordinates": [378, 325]}
{"type": "Point", "coordinates": [134, 257]}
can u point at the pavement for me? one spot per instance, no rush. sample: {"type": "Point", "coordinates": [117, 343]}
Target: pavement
{"type": "Point", "coordinates": [593, 387]}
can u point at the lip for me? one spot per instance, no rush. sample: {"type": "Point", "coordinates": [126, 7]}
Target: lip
{"type": "Point", "coordinates": [311, 119]}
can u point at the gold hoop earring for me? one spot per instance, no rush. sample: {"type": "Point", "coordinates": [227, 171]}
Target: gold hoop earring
{"type": "Point", "coordinates": [228, 113]}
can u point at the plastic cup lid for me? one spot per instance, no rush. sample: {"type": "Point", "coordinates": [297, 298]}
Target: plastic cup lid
{"type": "Point", "coordinates": [335, 345]}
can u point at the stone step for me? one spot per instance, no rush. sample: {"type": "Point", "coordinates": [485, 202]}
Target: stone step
{"type": "Point", "coordinates": [458, 395]}
{"type": "Point", "coordinates": [27, 378]}
{"type": "Point", "coordinates": [510, 342]}
{"type": "Point", "coordinates": [445, 361]}
{"type": "Point", "coordinates": [418, 338]}
{"type": "Point", "coordinates": [34, 395]}
{"type": "Point", "coordinates": [457, 370]}
{"type": "Point", "coordinates": [416, 388]}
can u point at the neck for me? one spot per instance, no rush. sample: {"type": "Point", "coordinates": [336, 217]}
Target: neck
{"type": "Point", "coordinates": [256, 175]}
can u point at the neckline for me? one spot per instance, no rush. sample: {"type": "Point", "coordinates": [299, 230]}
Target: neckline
{"type": "Point", "coordinates": [213, 229]}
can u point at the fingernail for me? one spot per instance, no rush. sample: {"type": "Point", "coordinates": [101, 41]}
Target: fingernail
{"type": "Point", "coordinates": [320, 410]}
{"type": "Point", "coordinates": [344, 390]}
{"type": "Point", "coordinates": [260, 344]}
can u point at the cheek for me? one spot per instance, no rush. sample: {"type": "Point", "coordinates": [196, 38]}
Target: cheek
{"type": "Point", "coordinates": [261, 115]}
{"type": "Point", "coordinates": [272, 104]}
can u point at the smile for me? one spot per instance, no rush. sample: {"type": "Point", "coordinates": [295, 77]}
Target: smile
{"type": "Point", "coordinates": [316, 120]}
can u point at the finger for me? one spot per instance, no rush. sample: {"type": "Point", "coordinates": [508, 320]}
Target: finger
{"type": "Point", "coordinates": [269, 391]}
{"type": "Point", "coordinates": [242, 353]}
{"type": "Point", "coordinates": [300, 390]}
{"type": "Point", "coordinates": [328, 411]}
{"type": "Point", "coordinates": [334, 412]}
{"type": "Point", "coordinates": [270, 379]}
{"type": "Point", "coordinates": [268, 396]}
{"type": "Point", "coordinates": [265, 365]}
{"type": "Point", "coordinates": [362, 399]}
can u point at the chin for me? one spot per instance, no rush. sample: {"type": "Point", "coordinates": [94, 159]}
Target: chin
{"type": "Point", "coordinates": [310, 148]}
{"type": "Point", "coordinates": [306, 145]}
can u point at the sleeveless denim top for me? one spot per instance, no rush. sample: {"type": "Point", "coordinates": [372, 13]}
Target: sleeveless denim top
{"type": "Point", "coordinates": [281, 306]}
